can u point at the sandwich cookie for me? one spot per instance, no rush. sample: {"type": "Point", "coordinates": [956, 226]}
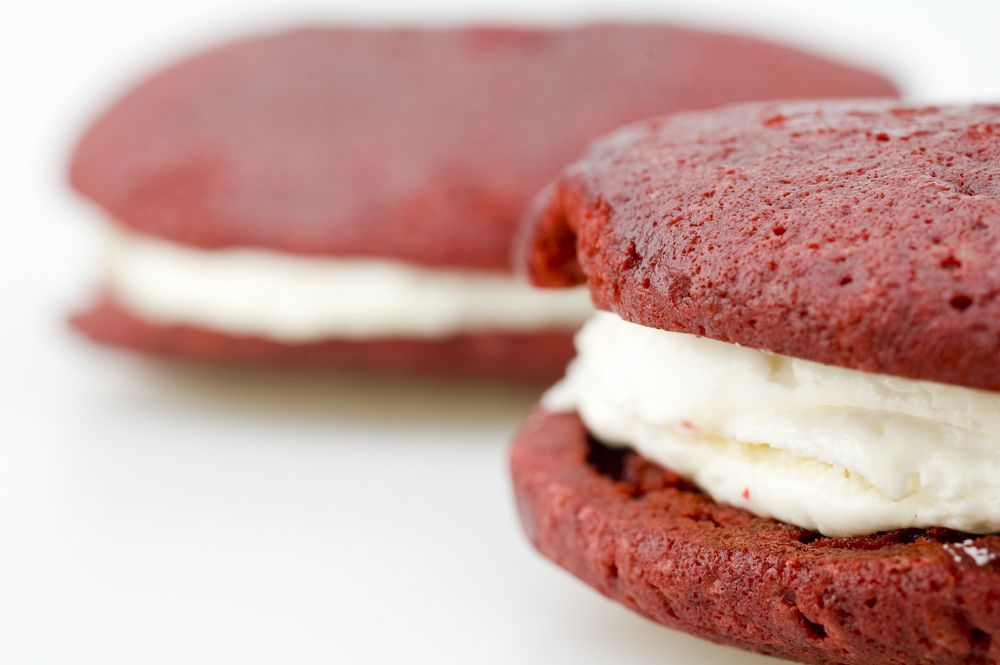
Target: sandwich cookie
{"type": "Point", "coordinates": [349, 196]}
{"type": "Point", "coordinates": [782, 432]}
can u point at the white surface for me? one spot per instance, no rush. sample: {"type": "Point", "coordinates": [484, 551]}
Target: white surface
{"type": "Point", "coordinates": [156, 515]}
{"type": "Point", "coordinates": [835, 450]}
{"type": "Point", "coordinates": [307, 298]}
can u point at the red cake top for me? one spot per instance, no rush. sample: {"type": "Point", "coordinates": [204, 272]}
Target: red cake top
{"type": "Point", "coordinates": [424, 145]}
{"type": "Point", "coordinates": [860, 234]}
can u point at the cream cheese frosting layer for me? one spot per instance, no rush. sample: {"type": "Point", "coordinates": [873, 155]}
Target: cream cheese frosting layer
{"type": "Point", "coordinates": [836, 450]}
{"type": "Point", "coordinates": [293, 298]}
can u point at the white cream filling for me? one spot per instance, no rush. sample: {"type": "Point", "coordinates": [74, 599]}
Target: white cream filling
{"type": "Point", "coordinates": [836, 450]}
{"type": "Point", "coordinates": [293, 298]}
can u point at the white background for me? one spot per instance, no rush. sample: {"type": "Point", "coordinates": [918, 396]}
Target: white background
{"type": "Point", "coordinates": [152, 513]}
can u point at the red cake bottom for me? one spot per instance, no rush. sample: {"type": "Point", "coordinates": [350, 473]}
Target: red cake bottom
{"type": "Point", "coordinates": [642, 536]}
{"type": "Point", "coordinates": [535, 356]}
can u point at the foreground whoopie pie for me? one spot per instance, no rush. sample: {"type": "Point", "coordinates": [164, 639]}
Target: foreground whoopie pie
{"type": "Point", "coordinates": [783, 432]}
{"type": "Point", "coordinates": [348, 196]}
